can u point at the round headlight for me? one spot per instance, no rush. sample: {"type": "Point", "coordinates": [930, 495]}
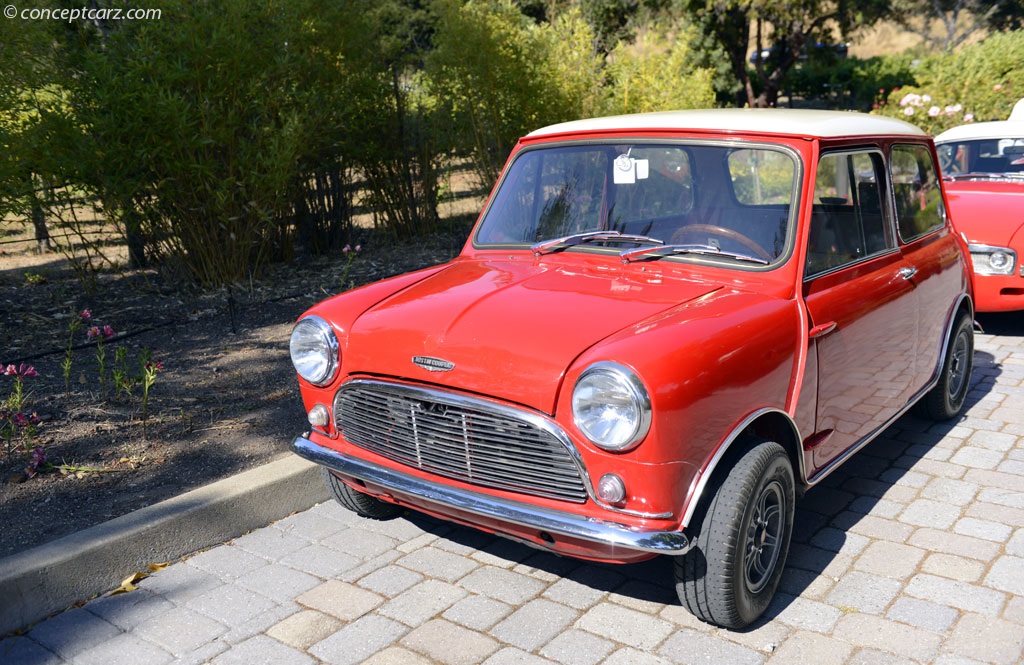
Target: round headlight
{"type": "Point", "coordinates": [611, 407]}
{"type": "Point", "coordinates": [999, 261]}
{"type": "Point", "coordinates": [314, 350]}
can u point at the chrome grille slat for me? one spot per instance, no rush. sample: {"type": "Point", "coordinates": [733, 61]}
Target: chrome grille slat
{"type": "Point", "coordinates": [460, 438]}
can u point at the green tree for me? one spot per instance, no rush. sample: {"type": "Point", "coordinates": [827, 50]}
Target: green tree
{"type": "Point", "coordinates": [200, 124]}
{"type": "Point", "coordinates": [658, 73]}
{"type": "Point", "coordinates": [789, 27]}
{"type": "Point", "coordinates": [944, 25]}
{"type": "Point", "coordinates": [487, 67]}
{"type": "Point", "coordinates": [32, 112]}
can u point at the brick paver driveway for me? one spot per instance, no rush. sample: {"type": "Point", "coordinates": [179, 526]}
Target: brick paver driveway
{"type": "Point", "coordinates": [911, 553]}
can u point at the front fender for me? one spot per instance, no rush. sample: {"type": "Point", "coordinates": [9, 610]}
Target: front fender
{"type": "Point", "coordinates": [707, 365]}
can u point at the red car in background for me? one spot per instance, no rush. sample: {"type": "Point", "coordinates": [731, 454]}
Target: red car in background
{"type": "Point", "coordinates": [662, 329]}
{"type": "Point", "coordinates": [983, 168]}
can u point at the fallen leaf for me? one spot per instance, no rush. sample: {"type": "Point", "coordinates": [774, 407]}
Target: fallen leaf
{"type": "Point", "coordinates": [129, 583]}
{"type": "Point", "coordinates": [153, 567]}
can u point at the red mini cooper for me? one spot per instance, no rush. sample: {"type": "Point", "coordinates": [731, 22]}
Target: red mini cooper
{"type": "Point", "coordinates": [662, 328]}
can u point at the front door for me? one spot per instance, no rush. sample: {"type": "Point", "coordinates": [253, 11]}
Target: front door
{"type": "Point", "coordinates": [861, 302]}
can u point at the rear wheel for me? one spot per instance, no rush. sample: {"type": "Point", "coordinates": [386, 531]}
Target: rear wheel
{"type": "Point", "coordinates": [731, 574]}
{"type": "Point", "coordinates": [356, 501]}
{"type": "Point", "coordinates": [946, 399]}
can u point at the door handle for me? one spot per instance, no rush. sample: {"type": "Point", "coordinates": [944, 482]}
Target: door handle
{"type": "Point", "coordinates": [907, 273]}
{"type": "Point", "coordinates": [821, 330]}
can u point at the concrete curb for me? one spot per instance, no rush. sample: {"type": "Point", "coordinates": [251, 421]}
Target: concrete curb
{"type": "Point", "coordinates": [49, 578]}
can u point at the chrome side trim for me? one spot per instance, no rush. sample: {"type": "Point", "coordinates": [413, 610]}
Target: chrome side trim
{"type": "Point", "coordinates": [514, 512]}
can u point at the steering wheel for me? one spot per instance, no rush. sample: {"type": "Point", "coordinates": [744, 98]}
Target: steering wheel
{"type": "Point", "coordinates": [724, 232]}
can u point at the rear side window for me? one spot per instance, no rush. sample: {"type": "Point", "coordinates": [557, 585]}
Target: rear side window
{"type": "Point", "coordinates": [916, 190]}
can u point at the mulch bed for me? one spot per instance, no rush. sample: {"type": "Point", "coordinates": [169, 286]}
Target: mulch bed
{"type": "Point", "coordinates": [225, 401]}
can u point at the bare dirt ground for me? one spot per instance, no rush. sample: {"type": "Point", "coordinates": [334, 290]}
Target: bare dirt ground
{"type": "Point", "coordinates": [225, 401]}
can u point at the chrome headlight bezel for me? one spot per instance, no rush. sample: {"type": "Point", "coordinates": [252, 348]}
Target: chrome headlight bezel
{"type": "Point", "coordinates": [990, 260]}
{"type": "Point", "coordinates": [314, 350]}
{"type": "Point", "coordinates": [611, 406]}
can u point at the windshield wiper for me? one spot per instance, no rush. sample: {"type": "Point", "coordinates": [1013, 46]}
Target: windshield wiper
{"type": "Point", "coordinates": [985, 175]}
{"type": "Point", "coordinates": [555, 244]}
{"type": "Point", "coordinates": [641, 253]}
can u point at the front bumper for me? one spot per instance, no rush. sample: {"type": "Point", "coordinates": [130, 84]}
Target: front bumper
{"type": "Point", "coordinates": [548, 529]}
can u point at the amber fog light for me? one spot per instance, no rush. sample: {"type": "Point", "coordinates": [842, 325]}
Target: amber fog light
{"type": "Point", "coordinates": [318, 416]}
{"type": "Point", "coordinates": [611, 489]}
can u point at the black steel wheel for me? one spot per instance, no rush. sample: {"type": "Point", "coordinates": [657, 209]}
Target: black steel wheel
{"type": "Point", "coordinates": [731, 574]}
{"type": "Point", "coordinates": [946, 399]}
{"type": "Point", "coordinates": [356, 501]}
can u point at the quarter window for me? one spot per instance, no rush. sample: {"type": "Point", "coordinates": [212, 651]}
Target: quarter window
{"type": "Point", "coordinates": [916, 190]}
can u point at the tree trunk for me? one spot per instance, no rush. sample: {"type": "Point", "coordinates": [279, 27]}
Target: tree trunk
{"type": "Point", "coordinates": [133, 236]}
{"type": "Point", "coordinates": [42, 234]}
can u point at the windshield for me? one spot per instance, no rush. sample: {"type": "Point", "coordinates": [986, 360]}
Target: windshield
{"type": "Point", "coordinates": [735, 199]}
{"type": "Point", "coordinates": [999, 157]}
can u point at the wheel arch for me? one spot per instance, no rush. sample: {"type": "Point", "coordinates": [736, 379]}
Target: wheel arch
{"type": "Point", "coordinates": [763, 425]}
{"type": "Point", "coordinates": [963, 305]}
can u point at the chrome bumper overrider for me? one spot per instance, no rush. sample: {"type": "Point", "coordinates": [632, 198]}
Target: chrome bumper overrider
{"type": "Point", "coordinates": [524, 515]}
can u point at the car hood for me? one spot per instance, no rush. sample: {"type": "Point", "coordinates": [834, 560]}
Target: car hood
{"type": "Point", "coordinates": [987, 212]}
{"type": "Point", "coordinates": [510, 328]}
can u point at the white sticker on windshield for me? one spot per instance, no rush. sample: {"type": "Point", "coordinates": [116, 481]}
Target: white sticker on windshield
{"type": "Point", "coordinates": [625, 170]}
{"type": "Point", "coordinates": [628, 170]}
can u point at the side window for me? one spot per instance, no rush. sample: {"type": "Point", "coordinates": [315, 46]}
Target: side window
{"type": "Point", "coordinates": [847, 218]}
{"type": "Point", "coordinates": [916, 190]}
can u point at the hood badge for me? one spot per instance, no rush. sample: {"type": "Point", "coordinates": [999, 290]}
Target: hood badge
{"type": "Point", "coordinates": [433, 364]}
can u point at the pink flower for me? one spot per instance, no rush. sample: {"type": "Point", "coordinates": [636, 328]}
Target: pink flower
{"type": "Point", "coordinates": [93, 333]}
{"type": "Point", "coordinates": [108, 332]}
{"type": "Point", "coordinates": [934, 111]}
{"type": "Point", "coordinates": [968, 117]}
{"type": "Point", "coordinates": [24, 371]}
{"type": "Point", "coordinates": [157, 366]}
{"type": "Point", "coordinates": [997, 87]}
{"type": "Point", "coordinates": [908, 111]}
{"type": "Point", "coordinates": [346, 249]}
{"type": "Point", "coordinates": [358, 248]}
{"type": "Point", "coordinates": [86, 314]}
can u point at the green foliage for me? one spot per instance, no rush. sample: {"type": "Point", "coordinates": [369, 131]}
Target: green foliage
{"type": "Point", "coordinates": [945, 25]}
{"type": "Point", "coordinates": [978, 83]}
{"type": "Point", "coordinates": [491, 69]}
{"type": "Point", "coordinates": [658, 74]}
{"type": "Point", "coordinates": [199, 123]}
{"type": "Point", "coordinates": [850, 83]}
{"type": "Point", "coordinates": [502, 76]}
{"type": "Point", "coordinates": [793, 26]}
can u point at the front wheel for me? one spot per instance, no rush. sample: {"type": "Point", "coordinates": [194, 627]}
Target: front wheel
{"type": "Point", "coordinates": [946, 399]}
{"type": "Point", "coordinates": [356, 501]}
{"type": "Point", "coordinates": [731, 574]}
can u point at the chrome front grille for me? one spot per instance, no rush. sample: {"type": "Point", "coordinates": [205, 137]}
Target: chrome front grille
{"type": "Point", "coordinates": [461, 438]}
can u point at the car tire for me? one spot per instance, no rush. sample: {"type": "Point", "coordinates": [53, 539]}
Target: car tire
{"type": "Point", "coordinates": [946, 399]}
{"type": "Point", "coordinates": [356, 501]}
{"type": "Point", "coordinates": [730, 575]}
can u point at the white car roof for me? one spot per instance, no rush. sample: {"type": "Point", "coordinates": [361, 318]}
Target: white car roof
{"type": "Point", "coordinates": [997, 129]}
{"type": "Point", "coordinates": [798, 122]}
{"type": "Point", "coordinates": [1013, 127]}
